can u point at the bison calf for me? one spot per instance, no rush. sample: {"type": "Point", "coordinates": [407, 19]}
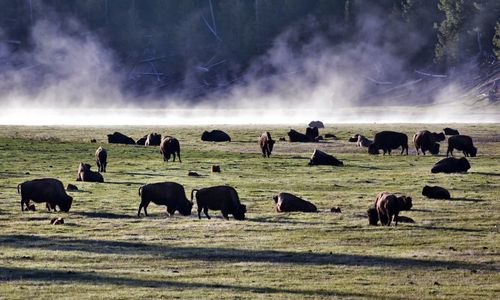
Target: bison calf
{"type": "Point", "coordinates": [101, 159]}
{"type": "Point", "coordinates": [286, 202]}
{"type": "Point", "coordinates": [389, 205]}
{"type": "Point", "coordinates": [48, 190]}
{"type": "Point", "coordinates": [170, 194]}
{"type": "Point", "coordinates": [223, 198]}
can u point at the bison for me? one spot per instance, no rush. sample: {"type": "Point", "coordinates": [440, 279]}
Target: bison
{"type": "Point", "coordinates": [286, 202]}
{"type": "Point", "coordinates": [170, 146]}
{"type": "Point", "coordinates": [317, 124]}
{"type": "Point", "coordinates": [372, 216]}
{"type": "Point", "coordinates": [450, 131]}
{"type": "Point", "coordinates": [354, 138]}
{"type": "Point", "coordinates": [451, 165]}
{"type": "Point", "coordinates": [296, 136]}
{"type": "Point", "coordinates": [170, 194]}
{"type": "Point", "coordinates": [321, 158]}
{"type": "Point", "coordinates": [153, 139]}
{"type": "Point", "coordinates": [363, 141]}
{"type": "Point", "coordinates": [48, 190]}
{"type": "Point", "coordinates": [101, 159]}
{"type": "Point", "coordinates": [142, 140]}
{"type": "Point", "coordinates": [435, 192]}
{"type": "Point", "coordinates": [312, 133]}
{"type": "Point", "coordinates": [215, 136]}
{"type": "Point", "coordinates": [388, 140]}
{"type": "Point", "coordinates": [120, 138]}
{"type": "Point", "coordinates": [389, 205]}
{"type": "Point", "coordinates": [426, 141]}
{"type": "Point", "coordinates": [223, 198]}
{"type": "Point", "coordinates": [461, 143]}
{"type": "Point", "coordinates": [266, 144]}
{"type": "Point", "coordinates": [85, 174]}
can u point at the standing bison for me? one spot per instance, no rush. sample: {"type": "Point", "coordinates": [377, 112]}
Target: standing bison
{"type": "Point", "coordinates": [312, 133]}
{"type": "Point", "coordinates": [48, 190]}
{"type": "Point", "coordinates": [215, 136]}
{"type": "Point", "coordinates": [426, 141]}
{"type": "Point", "coordinates": [451, 165]}
{"type": "Point", "coordinates": [266, 144]}
{"type": "Point", "coordinates": [85, 174]}
{"type": "Point", "coordinates": [170, 194]}
{"type": "Point", "coordinates": [321, 158]}
{"type": "Point", "coordinates": [223, 198]}
{"type": "Point", "coordinates": [286, 202]}
{"type": "Point", "coordinates": [450, 131]}
{"type": "Point", "coordinates": [120, 138]}
{"type": "Point", "coordinates": [101, 159]}
{"type": "Point", "coordinates": [389, 205]}
{"type": "Point", "coordinates": [170, 146]}
{"type": "Point", "coordinates": [461, 143]}
{"type": "Point", "coordinates": [153, 139]}
{"type": "Point", "coordinates": [388, 140]}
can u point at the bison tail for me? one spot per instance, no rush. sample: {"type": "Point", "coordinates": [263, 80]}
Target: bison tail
{"type": "Point", "coordinates": [19, 188]}
{"type": "Point", "coordinates": [192, 194]}
{"type": "Point", "coordinates": [140, 190]}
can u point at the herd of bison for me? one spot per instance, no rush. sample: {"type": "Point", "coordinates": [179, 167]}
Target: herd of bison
{"type": "Point", "coordinates": [225, 198]}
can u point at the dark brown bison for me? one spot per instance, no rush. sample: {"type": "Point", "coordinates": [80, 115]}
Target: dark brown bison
{"type": "Point", "coordinates": [450, 131]}
{"type": "Point", "coordinates": [215, 136]}
{"type": "Point", "coordinates": [87, 175]}
{"type": "Point", "coordinates": [223, 198]}
{"type": "Point", "coordinates": [435, 192]}
{"type": "Point", "coordinates": [389, 205]}
{"type": "Point", "coordinates": [438, 137]}
{"type": "Point", "coordinates": [170, 194]}
{"type": "Point", "coordinates": [372, 216]}
{"type": "Point", "coordinates": [317, 124]}
{"type": "Point", "coordinates": [266, 144]}
{"type": "Point", "coordinates": [286, 202]}
{"type": "Point", "coordinates": [451, 165]}
{"type": "Point", "coordinates": [461, 143]}
{"type": "Point", "coordinates": [170, 146]}
{"type": "Point", "coordinates": [296, 136]}
{"type": "Point", "coordinates": [312, 133]}
{"type": "Point", "coordinates": [388, 140]}
{"type": "Point", "coordinates": [153, 139]}
{"type": "Point", "coordinates": [215, 169]}
{"type": "Point", "coordinates": [330, 136]}
{"type": "Point", "coordinates": [48, 190]}
{"type": "Point", "coordinates": [424, 140]}
{"type": "Point", "coordinates": [142, 140]}
{"type": "Point", "coordinates": [321, 158]}
{"type": "Point", "coordinates": [101, 159]}
{"type": "Point", "coordinates": [120, 138]}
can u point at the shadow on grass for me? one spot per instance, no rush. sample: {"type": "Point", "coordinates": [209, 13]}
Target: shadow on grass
{"type": "Point", "coordinates": [226, 254]}
{"type": "Point", "coordinates": [143, 174]}
{"type": "Point", "coordinates": [429, 227]}
{"type": "Point", "coordinates": [274, 220]}
{"type": "Point", "coordinates": [105, 215]}
{"type": "Point", "coordinates": [467, 199]}
{"type": "Point", "coordinates": [486, 173]}
{"type": "Point", "coordinates": [32, 274]}
{"type": "Point", "coordinates": [123, 182]}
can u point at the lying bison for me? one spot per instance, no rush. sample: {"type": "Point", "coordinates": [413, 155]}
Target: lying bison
{"type": "Point", "coordinates": [101, 159]}
{"type": "Point", "coordinates": [435, 192]}
{"type": "Point", "coordinates": [312, 133]}
{"type": "Point", "coordinates": [321, 158]}
{"type": "Point", "coordinates": [426, 141]}
{"type": "Point", "coordinates": [170, 194]}
{"type": "Point", "coordinates": [354, 138]}
{"type": "Point", "coordinates": [170, 146]}
{"type": "Point", "coordinates": [215, 136]}
{"type": "Point", "coordinates": [451, 165]}
{"type": "Point", "coordinates": [120, 138]}
{"type": "Point", "coordinates": [388, 140]}
{"type": "Point", "coordinates": [142, 140]}
{"type": "Point", "coordinates": [450, 131]}
{"type": "Point", "coordinates": [223, 198]}
{"type": "Point", "coordinates": [266, 144]}
{"type": "Point", "coordinates": [153, 139]}
{"type": "Point", "coordinates": [389, 205]}
{"type": "Point", "coordinates": [286, 202]}
{"type": "Point", "coordinates": [85, 174]}
{"type": "Point", "coordinates": [317, 124]}
{"type": "Point", "coordinates": [462, 143]}
{"type": "Point", "coordinates": [296, 136]}
{"type": "Point", "coordinates": [48, 190]}
{"type": "Point", "coordinates": [363, 141]}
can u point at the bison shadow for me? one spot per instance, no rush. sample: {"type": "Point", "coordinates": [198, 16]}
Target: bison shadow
{"type": "Point", "coordinates": [228, 254]}
{"type": "Point", "coordinates": [123, 182]}
{"type": "Point", "coordinates": [467, 199]}
{"type": "Point", "coordinates": [105, 215]}
{"type": "Point", "coordinates": [429, 227]}
{"type": "Point", "coordinates": [142, 174]}
{"type": "Point", "coordinates": [486, 173]}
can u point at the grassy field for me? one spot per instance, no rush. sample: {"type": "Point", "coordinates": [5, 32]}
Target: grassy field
{"type": "Point", "coordinates": [105, 251]}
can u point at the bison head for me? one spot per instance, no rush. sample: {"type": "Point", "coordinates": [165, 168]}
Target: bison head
{"type": "Point", "coordinates": [373, 149]}
{"type": "Point", "coordinates": [372, 216]}
{"type": "Point", "coordinates": [185, 208]}
{"type": "Point", "coordinates": [434, 149]}
{"type": "Point", "coordinates": [239, 214]}
{"type": "Point", "coordinates": [354, 138]}
{"type": "Point", "coordinates": [406, 203]}
{"type": "Point", "coordinates": [464, 163]}
{"type": "Point", "coordinates": [473, 152]}
{"type": "Point", "coordinates": [66, 205]}
{"type": "Point", "coordinates": [275, 198]}
{"type": "Point", "coordinates": [426, 190]}
{"type": "Point", "coordinates": [438, 137]}
{"type": "Point", "coordinates": [270, 145]}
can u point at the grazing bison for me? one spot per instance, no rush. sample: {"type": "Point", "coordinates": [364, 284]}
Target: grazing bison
{"type": "Point", "coordinates": [435, 192]}
{"type": "Point", "coordinates": [286, 202]}
{"type": "Point", "coordinates": [363, 141]}
{"type": "Point", "coordinates": [451, 165]}
{"type": "Point", "coordinates": [354, 138]}
{"type": "Point", "coordinates": [170, 194]}
{"type": "Point", "coordinates": [85, 174]}
{"type": "Point", "coordinates": [372, 216]}
{"type": "Point", "coordinates": [170, 146]}
{"type": "Point", "coordinates": [312, 133]}
{"type": "Point", "coordinates": [317, 124]}
{"type": "Point", "coordinates": [321, 158]}
{"type": "Point", "coordinates": [215, 136]}
{"type": "Point", "coordinates": [101, 159]}
{"type": "Point", "coordinates": [48, 190]}
{"type": "Point", "coordinates": [388, 140]}
{"type": "Point", "coordinates": [450, 131]}
{"type": "Point", "coordinates": [296, 136]}
{"type": "Point", "coordinates": [142, 140]}
{"type": "Point", "coordinates": [461, 143]}
{"type": "Point", "coordinates": [120, 138]}
{"type": "Point", "coordinates": [424, 140]}
{"type": "Point", "coordinates": [153, 139]}
{"type": "Point", "coordinates": [215, 169]}
{"type": "Point", "coordinates": [389, 205]}
{"type": "Point", "coordinates": [223, 198]}
{"type": "Point", "coordinates": [266, 144]}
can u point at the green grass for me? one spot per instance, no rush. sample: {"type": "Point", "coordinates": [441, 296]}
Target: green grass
{"type": "Point", "coordinates": [104, 251]}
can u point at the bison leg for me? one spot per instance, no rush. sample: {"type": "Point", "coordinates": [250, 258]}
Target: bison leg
{"type": "Point", "coordinates": [170, 211]}
{"type": "Point", "coordinates": [205, 211]}
{"type": "Point", "coordinates": [199, 212]}
{"type": "Point", "coordinates": [24, 200]}
{"type": "Point", "coordinates": [179, 156]}
{"type": "Point", "coordinates": [396, 219]}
